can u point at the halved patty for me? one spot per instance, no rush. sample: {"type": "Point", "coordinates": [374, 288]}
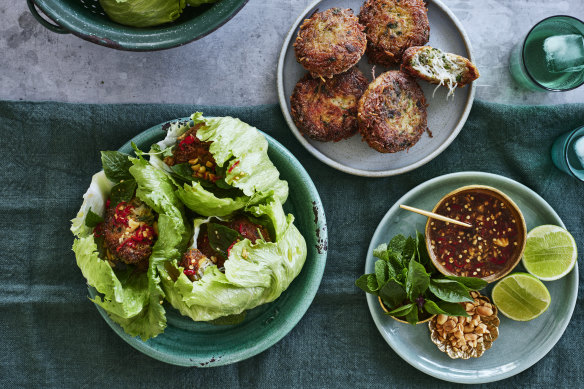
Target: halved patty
{"type": "Point", "coordinates": [435, 66]}
{"type": "Point", "coordinates": [330, 42]}
{"type": "Point", "coordinates": [327, 110]}
{"type": "Point", "coordinates": [392, 112]}
{"type": "Point", "coordinates": [392, 26]}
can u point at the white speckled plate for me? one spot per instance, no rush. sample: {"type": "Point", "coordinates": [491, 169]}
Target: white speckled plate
{"type": "Point", "coordinates": [520, 344]}
{"type": "Point", "coordinates": [445, 117]}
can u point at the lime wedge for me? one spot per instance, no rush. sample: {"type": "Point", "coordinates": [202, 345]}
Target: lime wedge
{"type": "Point", "coordinates": [550, 252]}
{"type": "Point", "coordinates": [521, 297]}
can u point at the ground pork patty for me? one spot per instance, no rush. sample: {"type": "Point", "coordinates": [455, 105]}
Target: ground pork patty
{"type": "Point", "coordinates": [129, 232]}
{"type": "Point", "coordinates": [392, 26]}
{"type": "Point", "coordinates": [326, 110]}
{"type": "Point", "coordinates": [194, 263]}
{"type": "Point", "coordinates": [437, 67]}
{"type": "Point", "coordinates": [330, 42]}
{"type": "Point", "coordinates": [392, 112]}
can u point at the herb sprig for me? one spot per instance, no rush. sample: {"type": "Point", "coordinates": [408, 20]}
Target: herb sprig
{"type": "Point", "coordinates": [410, 286]}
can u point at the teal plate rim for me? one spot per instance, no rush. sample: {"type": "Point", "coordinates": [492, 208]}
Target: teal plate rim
{"type": "Point", "coordinates": [188, 343]}
{"type": "Point", "coordinates": [503, 362]}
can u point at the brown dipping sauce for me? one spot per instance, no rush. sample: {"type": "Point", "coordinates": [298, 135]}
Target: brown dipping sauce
{"type": "Point", "coordinates": [489, 249]}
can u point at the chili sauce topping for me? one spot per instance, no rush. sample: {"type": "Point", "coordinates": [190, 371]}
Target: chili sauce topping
{"type": "Point", "coordinates": [485, 249]}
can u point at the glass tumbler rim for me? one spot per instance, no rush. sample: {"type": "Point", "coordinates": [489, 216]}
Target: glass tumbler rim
{"type": "Point", "coordinates": [523, 55]}
{"type": "Point", "coordinates": [565, 150]}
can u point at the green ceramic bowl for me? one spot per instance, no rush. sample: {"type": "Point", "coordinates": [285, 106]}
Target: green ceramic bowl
{"type": "Point", "coordinates": [188, 343]}
{"type": "Point", "coordinates": [86, 19]}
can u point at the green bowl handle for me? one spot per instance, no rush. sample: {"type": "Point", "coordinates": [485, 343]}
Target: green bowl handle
{"type": "Point", "coordinates": [53, 27]}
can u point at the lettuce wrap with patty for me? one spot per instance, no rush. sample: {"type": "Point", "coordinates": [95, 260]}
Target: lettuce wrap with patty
{"type": "Point", "coordinates": [220, 165]}
{"type": "Point", "coordinates": [130, 295]}
{"type": "Point", "coordinates": [252, 274]}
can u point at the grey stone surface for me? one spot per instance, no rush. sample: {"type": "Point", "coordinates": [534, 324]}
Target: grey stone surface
{"type": "Point", "coordinates": [236, 65]}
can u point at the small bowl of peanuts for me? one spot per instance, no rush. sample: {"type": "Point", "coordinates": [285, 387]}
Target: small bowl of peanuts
{"type": "Point", "coordinates": [466, 337]}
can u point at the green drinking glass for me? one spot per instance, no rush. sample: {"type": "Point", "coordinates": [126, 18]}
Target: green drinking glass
{"type": "Point", "coordinates": [551, 57]}
{"type": "Point", "coordinates": [568, 153]}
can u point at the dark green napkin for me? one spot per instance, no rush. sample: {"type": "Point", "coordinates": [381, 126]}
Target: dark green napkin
{"type": "Point", "coordinates": [51, 335]}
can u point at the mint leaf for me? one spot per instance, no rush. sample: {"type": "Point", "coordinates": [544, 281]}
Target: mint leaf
{"type": "Point", "coordinates": [363, 284]}
{"type": "Point", "coordinates": [396, 245]}
{"type": "Point", "coordinates": [183, 171]}
{"type": "Point", "coordinates": [452, 309]}
{"type": "Point", "coordinates": [417, 280]}
{"type": "Point", "coordinates": [116, 165]}
{"type": "Point", "coordinates": [403, 310]}
{"type": "Point", "coordinates": [393, 294]}
{"type": "Point", "coordinates": [412, 316]}
{"type": "Point", "coordinates": [422, 252]}
{"type": "Point", "coordinates": [409, 251]}
{"type": "Point", "coordinates": [433, 308]}
{"type": "Point", "coordinates": [381, 252]}
{"type": "Point", "coordinates": [92, 219]}
{"type": "Point", "coordinates": [221, 238]}
{"type": "Point", "coordinates": [449, 290]}
{"type": "Point", "coordinates": [124, 191]}
{"type": "Point", "coordinates": [471, 283]}
{"type": "Point", "coordinates": [381, 273]}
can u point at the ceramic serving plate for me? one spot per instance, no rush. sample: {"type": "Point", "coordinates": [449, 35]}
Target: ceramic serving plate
{"type": "Point", "coordinates": [520, 344]}
{"type": "Point", "coordinates": [188, 343]}
{"type": "Point", "coordinates": [445, 117]}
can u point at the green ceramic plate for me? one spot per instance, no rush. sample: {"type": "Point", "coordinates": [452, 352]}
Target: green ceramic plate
{"type": "Point", "coordinates": [189, 343]}
{"type": "Point", "coordinates": [520, 344]}
{"type": "Point", "coordinates": [86, 19]}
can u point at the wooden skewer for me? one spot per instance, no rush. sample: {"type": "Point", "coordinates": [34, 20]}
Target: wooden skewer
{"type": "Point", "coordinates": [434, 215]}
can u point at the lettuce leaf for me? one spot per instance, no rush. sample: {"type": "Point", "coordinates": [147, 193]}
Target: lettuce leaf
{"type": "Point", "coordinates": [243, 151]}
{"type": "Point", "coordinates": [132, 299]}
{"type": "Point", "coordinates": [255, 274]}
{"type": "Point", "coordinates": [142, 13]}
{"type": "Point", "coordinates": [240, 150]}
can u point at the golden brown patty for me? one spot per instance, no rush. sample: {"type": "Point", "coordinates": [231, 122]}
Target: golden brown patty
{"type": "Point", "coordinates": [462, 70]}
{"type": "Point", "coordinates": [392, 112]}
{"type": "Point", "coordinates": [392, 26]}
{"type": "Point", "coordinates": [330, 42]}
{"type": "Point", "coordinates": [327, 110]}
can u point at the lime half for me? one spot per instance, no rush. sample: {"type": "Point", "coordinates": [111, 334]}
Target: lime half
{"type": "Point", "coordinates": [550, 252]}
{"type": "Point", "coordinates": [521, 297]}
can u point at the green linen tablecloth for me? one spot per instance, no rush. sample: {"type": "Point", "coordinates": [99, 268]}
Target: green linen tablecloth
{"type": "Point", "coordinates": [51, 335]}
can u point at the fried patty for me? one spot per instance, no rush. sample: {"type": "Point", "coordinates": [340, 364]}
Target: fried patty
{"type": "Point", "coordinates": [194, 263]}
{"type": "Point", "coordinates": [129, 232]}
{"type": "Point", "coordinates": [392, 26]}
{"type": "Point", "coordinates": [438, 67]}
{"type": "Point", "coordinates": [392, 112]}
{"type": "Point", "coordinates": [330, 42]}
{"type": "Point", "coordinates": [326, 110]}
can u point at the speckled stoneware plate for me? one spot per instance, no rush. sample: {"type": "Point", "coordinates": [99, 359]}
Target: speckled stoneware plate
{"type": "Point", "coordinates": [520, 344]}
{"type": "Point", "coordinates": [188, 343]}
{"type": "Point", "coordinates": [445, 117]}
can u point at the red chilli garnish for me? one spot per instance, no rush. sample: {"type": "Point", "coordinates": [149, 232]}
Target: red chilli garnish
{"type": "Point", "coordinates": [190, 272]}
{"type": "Point", "coordinates": [186, 141]}
{"type": "Point", "coordinates": [232, 166]}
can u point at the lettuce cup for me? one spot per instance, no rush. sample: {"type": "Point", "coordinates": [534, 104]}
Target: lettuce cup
{"type": "Point", "coordinates": [130, 221]}
{"type": "Point", "coordinates": [200, 225]}
{"type": "Point", "coordinates": [219, 164]}
{"type": "Point", "coordinates": [235, 264]}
